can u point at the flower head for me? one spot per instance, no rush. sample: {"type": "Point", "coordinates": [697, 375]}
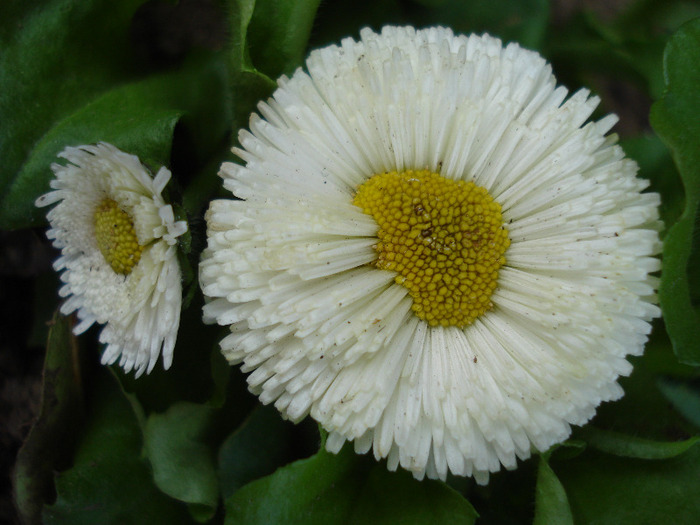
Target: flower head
{"type": "Point", "coordinates": [117, 239]}
{"type": "Point", "coordinates": [434, 255]}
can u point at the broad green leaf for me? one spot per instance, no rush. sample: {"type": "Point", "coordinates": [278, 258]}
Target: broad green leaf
{"type": "Point", "coordinates": [139, 118]}
{"type": "Point", "coordinates": [55, 57]}
{"type": "Point", "coordinates": [630, 446]}
{"type": "Point", "coordinates": [675, 119]}
{"type": "Point", "coordinates": [11, 14]}
{"type": "Point", "coordinates": [50, 442]}
{"type": "Point", "coordinates": [685, 398]}
{"type": "Point", "coordinates": [181, 437]}
{"type": "Point", "coordinates": [278, 34]}
{"type": "Point", "coordinates": [551, 503]}
{"type": "Point", "coordinates": [177, 443]}
{"type": "Point", "coordinates": [345, 489]}
{"type": "Point", "coordinates": [109, 482]}
{"type": "Point", "coordinates": [612, 490]}
{"type": "Point", "coordinates": [248, 85]}
{"type": "Point", "coordinates": [656, 165]}
{"type": "Point", "coordinates": [254, 450]}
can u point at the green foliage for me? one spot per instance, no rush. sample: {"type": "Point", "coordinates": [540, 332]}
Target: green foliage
{"type": "Point", "coordinates": [685, 398]}
{"type": "Point", "coordinates": [278, 33]}
{"type": "Point", "coordinates": [255, 449]}
{"type": "Point", "coordinates": [183, 466]}
{"type": "Point", "coordinates": [109, 482]}
{"type": "Point", "coordinates": [247, 83]}
{"type": "Point", "coordinates": [605, 489]}
{"type": "Point", "coordinates": [675, 119]}
{"type": "Point", "coordinates": [633, 446]}
{"type": "Point", "coordinates": [345, 488]}
{"type": "Point", "coordinates": [47, 73]}
{"type": "Point", "coordinates": [551, 503]}
{"type": "Point", "coordinates": [656, 165]}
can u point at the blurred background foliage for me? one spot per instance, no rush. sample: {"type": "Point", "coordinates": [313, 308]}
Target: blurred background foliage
{"type": "Point", "coordinates": [173, 82]}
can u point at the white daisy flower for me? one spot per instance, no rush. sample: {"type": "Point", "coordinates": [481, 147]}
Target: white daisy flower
{"type": "Point", "coordinates": [434, 255]}
{"type": "Point", "coordinates": [117, 239]}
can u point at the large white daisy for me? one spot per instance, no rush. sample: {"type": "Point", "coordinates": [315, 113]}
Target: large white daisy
{"type": "Point", "coordinates": [117, 238]}
{"type": "Point", "coordinates": [434, 255]}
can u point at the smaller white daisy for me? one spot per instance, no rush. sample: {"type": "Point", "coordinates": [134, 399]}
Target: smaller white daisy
{"type": "Point", "coordinates": [117, 239]}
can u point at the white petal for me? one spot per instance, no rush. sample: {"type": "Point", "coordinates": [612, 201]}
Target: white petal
{"type": "Point", "coordinates": [323, 332]}
{"type": "Point", "coordinates": [140, 311]}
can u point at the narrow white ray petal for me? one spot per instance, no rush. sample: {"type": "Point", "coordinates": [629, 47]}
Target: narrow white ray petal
{"type": "Point", "coordinates": [140, 311]}
{"type": "Point", "coordinates": [293, 267]}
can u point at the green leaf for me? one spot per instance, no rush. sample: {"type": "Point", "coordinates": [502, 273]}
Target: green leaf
{"type": "Point", "coordinates": [675, 120]}
{"type": "Point", "coordinates": [109, 483]}
{"type": "Point", "coordinates": [50, 442]}
{"type": "Point", "coordinates": [254, 450]}
{"type": "Point", "coordinates": [566, 450]}
{"type": "Point", "coordinates": [659, 358]}
{"type": "Point", "coordinates": [611, 490]}
{"type": "Point", "coordinates": [278, 34]}
{"type": "Point", "coordinates": [345, 489]}
{"type": "Point", "coordinates": [656, 165]}
{"type": "Point", "coordinates": [248, 85]}
{"type": "Point", "coordinates": [139, 118]}
{"type": "Point", "coordinates": [177, 444]}
{"type": "Point", "coordinates": [684, 397]}
{"type": "Point", "coordinates": [551, 503]}
{"type": "Point", "coordinates": [55, 58]}
{"type": "Point", "coordinates": [629, 446]}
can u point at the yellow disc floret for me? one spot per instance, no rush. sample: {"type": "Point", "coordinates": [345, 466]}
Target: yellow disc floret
{"type": "Point", "coordinates": [444, 238]}
{"type": "Point", "coordinates": [116, 237]}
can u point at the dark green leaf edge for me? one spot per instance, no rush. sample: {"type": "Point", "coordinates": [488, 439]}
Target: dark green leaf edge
{"type": "Point", "coordinates": [684, 398]}
{"type": "Point", "coordinates": [675, 120]}
{"type": "Point", "coordinates": [551, 502]}
{"type": "Point", "coordinates": [624, 445]}
{"type": "Point", "coordinates": [345, 489]}
{"type": "Point", "coordinates": [176, 443]}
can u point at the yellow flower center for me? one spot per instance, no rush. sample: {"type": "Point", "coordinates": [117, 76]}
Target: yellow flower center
{"type": "Point", "coordinates": [444, 238]}
{"type": "Point", "coordinates": [116, 237]}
